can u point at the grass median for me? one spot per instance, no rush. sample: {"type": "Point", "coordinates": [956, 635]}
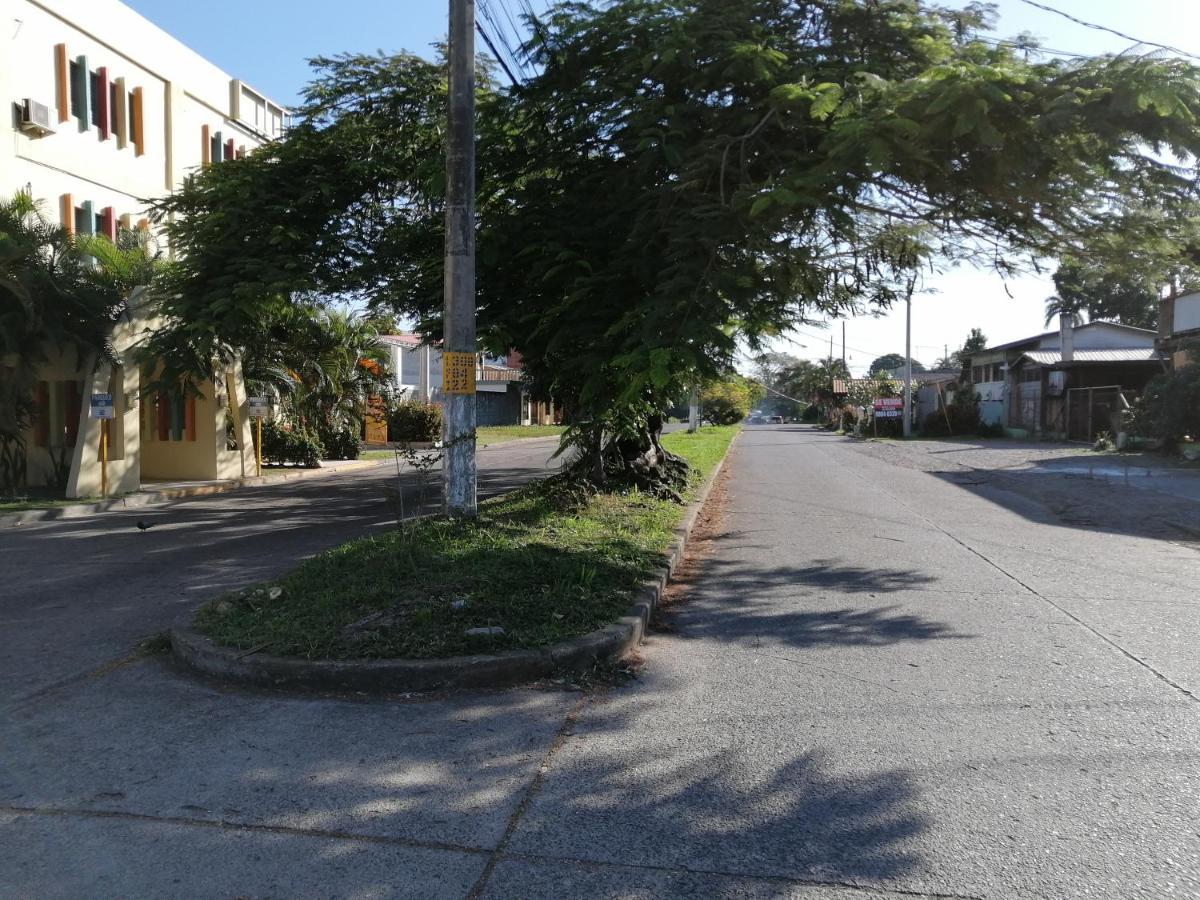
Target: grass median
{"type": "Point", "coordinates": [540, 565]}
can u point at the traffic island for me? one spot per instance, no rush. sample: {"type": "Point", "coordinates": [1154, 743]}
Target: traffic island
{"type": "Point", "coordinates": [548, 580]}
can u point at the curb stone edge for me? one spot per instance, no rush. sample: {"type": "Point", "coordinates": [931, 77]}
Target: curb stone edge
{"type": "Point", "coordinates": [498, 670]}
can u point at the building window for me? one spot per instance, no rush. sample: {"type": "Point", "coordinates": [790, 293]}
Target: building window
{"type": "Point", "coordinates": [78, 97]}
{"type": "Point", "coordinates": [95, 86]}
{"type": "Point", "coordinates": [84, 219]}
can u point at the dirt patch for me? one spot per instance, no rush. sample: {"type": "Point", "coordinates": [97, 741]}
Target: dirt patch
{"type": "Point", "coordinates": [701, 545]}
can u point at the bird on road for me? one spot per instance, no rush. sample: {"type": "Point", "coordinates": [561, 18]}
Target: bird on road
{"type": "Point", "coordinates": [145, 526]}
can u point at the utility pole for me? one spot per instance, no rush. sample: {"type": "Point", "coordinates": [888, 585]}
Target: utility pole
{"type": "Point", "coordinates": [844, 345]}
{"type": "Point", "coordinates": [458, 321]}
{"type": "Point", "coordinates": [908, 359]}
{"type": "Point", "coordinates": [694, 410]}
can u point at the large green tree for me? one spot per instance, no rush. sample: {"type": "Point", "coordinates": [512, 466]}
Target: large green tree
{"type": "Point", "coordinates": [680, 174]}
{"type": "Point", "coordinates": [893, 361]}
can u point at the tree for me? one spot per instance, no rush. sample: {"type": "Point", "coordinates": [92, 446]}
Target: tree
{"type": "Point", "coordinates": [679, 175]}
{"type": "Point", "coordinates": [890, 361]}
{"type": "Point", "coordinates": [976, 342]}
{"type": "Point", "coordinates": [729, 400]}
{"type": "Point", "coordinates": [1127, 297]}
{"type": "Point", "coordinates": [56, 294]}
{"type": "Point", "coordinates": [1069, 307]}
{"type": "Point", "coordinates": [322, 363]}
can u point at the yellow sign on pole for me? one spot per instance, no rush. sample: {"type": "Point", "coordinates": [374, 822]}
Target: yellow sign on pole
{"type": "Point", "coordinates": [104, 457]}
{"type": "Point", "coordinates": [458, 373]}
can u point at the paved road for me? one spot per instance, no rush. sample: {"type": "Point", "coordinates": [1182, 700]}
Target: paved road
{"type": "Point", "coordinates": [79, 593]}
{"type": "Point", "coordinates": [875, 683]}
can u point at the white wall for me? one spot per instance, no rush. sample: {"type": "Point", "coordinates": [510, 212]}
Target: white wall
{"type": "Point", "coordinates": [182, 92]}
{"type": "Point", "coordinates": [1187, 313]}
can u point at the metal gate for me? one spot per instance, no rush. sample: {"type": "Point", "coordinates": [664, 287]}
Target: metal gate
{"type": "Point", "coordinates": [1093, 410]}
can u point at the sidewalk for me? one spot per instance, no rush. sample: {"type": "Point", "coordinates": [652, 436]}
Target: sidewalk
{"type": "Point", "coordinates": [155, 492]}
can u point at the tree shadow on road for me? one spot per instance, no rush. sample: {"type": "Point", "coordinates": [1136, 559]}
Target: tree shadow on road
{"type": "Point", "coordinates": [798, 606]}
{"type": "Point", "coordinates": [1065, 494]}
{"type": "Point", "coordinates": [739, 808]}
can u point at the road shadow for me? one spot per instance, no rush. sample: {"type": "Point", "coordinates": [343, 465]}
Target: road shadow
{"type": "Point", "coordinates": [1064, 493]}
{"type": "Point", "coordinates": [802, 606]}
{"type": "Point", "coordinates": [725, 801]}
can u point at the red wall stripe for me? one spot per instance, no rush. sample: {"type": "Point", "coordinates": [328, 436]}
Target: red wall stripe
{"type": "Point", "coordinates": [102, 102]}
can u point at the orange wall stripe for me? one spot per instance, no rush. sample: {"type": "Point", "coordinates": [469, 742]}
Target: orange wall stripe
{"type": "Point", "coordinates": [62, 82]}
{"type": "Point", "coordinates": [205, 146]}
{"type": "Point", "coordinates": [121, 113]}
{"type": "Point", "coordinates": [66, 208]}
{"type": "Point", "coordinates": [139, 122]}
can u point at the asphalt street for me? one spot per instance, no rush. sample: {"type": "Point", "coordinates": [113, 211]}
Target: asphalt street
{"type": "Point", "coordinates": [78, 594]}
{"type": "Point", "coordinates": [871, 682]}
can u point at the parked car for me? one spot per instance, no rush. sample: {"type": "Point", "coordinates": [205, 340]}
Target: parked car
{"type": "Point", "coordinates": [775, 420]}
{"type": "Point", "coordinates": [756, 420]}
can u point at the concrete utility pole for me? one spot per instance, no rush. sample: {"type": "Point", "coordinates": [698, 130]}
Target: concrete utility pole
{"type": "Point", "coordinates": [908, 361]}
{"type": "Point", "coordinates": [458, 323]}
{"type": "Point", "coordinates": [694, 411]}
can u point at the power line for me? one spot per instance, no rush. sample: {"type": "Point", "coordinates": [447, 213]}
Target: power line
{"type": "Point", "coordinates": [1128, 37]}
{"type": "Point", "coordinates": [500, 30]}
{"type": "Point", "coordinates": [491, 46]}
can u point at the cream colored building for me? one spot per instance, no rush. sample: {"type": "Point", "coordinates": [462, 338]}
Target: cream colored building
{"type": "Point", "coordinates": [108, 110]}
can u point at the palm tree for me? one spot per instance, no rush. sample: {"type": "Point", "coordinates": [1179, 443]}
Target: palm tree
{"type": "Point", "coordinates": [321, 363]}
{"type": "Point", "coordinates": [1057, 306]}
{"type": "Point", "coordinates": [57, 293]}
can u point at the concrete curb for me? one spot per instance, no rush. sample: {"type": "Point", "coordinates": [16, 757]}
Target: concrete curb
{"type": "Point", "coordinates": [165, 495]}
{"type": "Point", "coordinates": [485, 670]}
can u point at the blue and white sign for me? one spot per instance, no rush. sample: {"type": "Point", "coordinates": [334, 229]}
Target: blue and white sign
{"type": "Point", "coordinates": [101, 406]}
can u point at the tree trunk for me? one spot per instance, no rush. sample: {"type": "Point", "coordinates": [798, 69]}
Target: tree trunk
{"type": "Point", "coordinates": [646, 463]}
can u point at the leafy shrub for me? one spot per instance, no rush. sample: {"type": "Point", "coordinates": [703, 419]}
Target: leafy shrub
{"type": "Point", "coordinates": [1169, 408]}
{"type": "Point", "coordinates": [990, 429]}
{"type": "Point", "coordinates": [413, 420]}
{"type": "Point", "coordinates": [963, 419]}
{"type": "Point", "coordinates": [340, 443]}
{"type": "Point", "coordinates": [727, 402]}
{"type": "Point", "coordinates": [893, 427]}
{"type": "Point", "coordinates": [811, 413]}
{"type": "Point", "coordinates": [282, 445]}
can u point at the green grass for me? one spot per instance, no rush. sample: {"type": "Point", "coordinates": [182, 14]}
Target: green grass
{"type": "Point", "coordinates": [494, 433]}
{"type": "Point", "coordinates": [22, 504]}
{"type": "Point", "coordinates": [544, 562]}
{"type": "Point", "coordinates": [490, 434]}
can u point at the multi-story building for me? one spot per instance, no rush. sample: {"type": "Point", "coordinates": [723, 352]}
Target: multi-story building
{"type": "Point", "coordinates": [109, 111]}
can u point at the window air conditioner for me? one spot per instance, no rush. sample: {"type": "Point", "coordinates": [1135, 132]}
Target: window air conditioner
{"type": "Point", "coordinates": [35, 118]}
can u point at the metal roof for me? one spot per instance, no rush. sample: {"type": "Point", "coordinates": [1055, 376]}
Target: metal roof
{"type": "Point", "coordinates": [1054, 357]}
{"type": "Point", "coordinates": [1012, 345]}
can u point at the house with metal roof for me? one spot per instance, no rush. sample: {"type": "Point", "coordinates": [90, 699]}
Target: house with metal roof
{"type": "Point", "coordinates": [1179, 327]}
{"type": "Point", "coordinates": [1070, 384]}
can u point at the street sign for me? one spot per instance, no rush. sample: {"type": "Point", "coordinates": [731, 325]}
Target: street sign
{"type": "Point", "coordinates": [259, 407]}
{"type": "Point", "coordinates": [101, 406]}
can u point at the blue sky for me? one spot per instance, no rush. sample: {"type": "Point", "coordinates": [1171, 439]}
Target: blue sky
{"type": "Point", "coordinates": [266, 44]}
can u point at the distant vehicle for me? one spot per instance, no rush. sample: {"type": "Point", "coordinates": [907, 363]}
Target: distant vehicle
{"type": "Point", "coordinates": [756, 420]}
{"type": "Point", "coordinates": [776, 420]}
